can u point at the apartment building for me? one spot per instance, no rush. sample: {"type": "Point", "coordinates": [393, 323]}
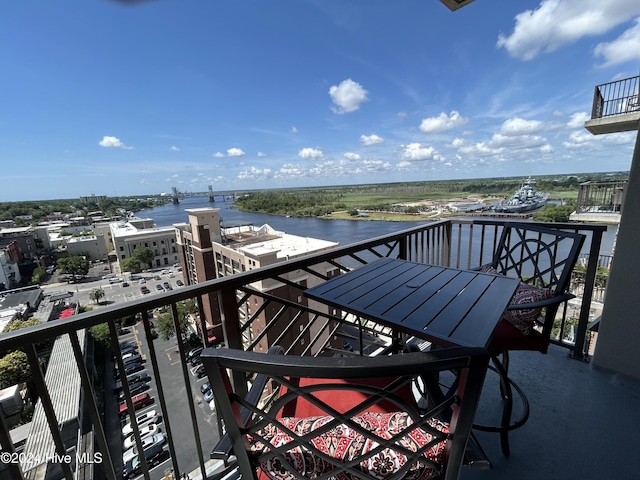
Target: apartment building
{"type": "Point", "coordinates": [209, 251]}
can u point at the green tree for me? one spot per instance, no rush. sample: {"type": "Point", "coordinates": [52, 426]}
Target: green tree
{"type": "Point", "coordinates": [38, 275]}
{"type": "Point", "coordinates": [144, 256]}
{"type": "Point", "coordinates": [14, 368]}
{"type": "Point", "coordinates": [130, 265]}
{"type": "Point", "coordinates": [165, 325]}
{"type": "Point", "coordinates": [97, 294]}
{"type": "Point", "coordinates": [100, 333]}
{"type": "Point", "coordinates": [18, 324]}
{"type": "Point", "coordinates": [74, 265]}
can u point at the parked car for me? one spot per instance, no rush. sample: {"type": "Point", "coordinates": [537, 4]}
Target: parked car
{"type": "Point", "coordinates": [128, 369]}
{"type": "Point", "coordinates": [159, 287]}
{"type": "Point", "coordinates": [144, 290]}
{"type": "Point", "coordinates": [143, 419]}
{"type": "Point", "coordinates": [134, 389]}
{"type": "Point", "coordinates": [123, 331]}
{"type": "Point", "coordinates": [131, 379]}
{"type": "Point", "coordinates": [200, 371]}
{"type": "Point", "coordinates": [108, 276]}
{"type": "Point", "coordinates": [145, 431]}
{"type": "Point", "coordinates": [125, 284]}
{"type": "Point", "coordinates": [204, 387]}
{"type": "Point", "coordinates": [132, 358]}
{"type": "Point", "coordinates": [147, 442]}
{"type": "Point", "coordinates": [194, 352]}
{"type": "Point", "coordinates": [179, 283]}
{"type": "Point", "coordinates": [139, 401]}
{"type": "Point", "coordinates": [195, 360]}
{"type": "Point", "coordinates": [153, 455]}
{"type": "Point", "coordinates": [208, 395]}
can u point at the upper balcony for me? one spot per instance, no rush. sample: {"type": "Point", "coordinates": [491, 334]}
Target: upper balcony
{"type": "Point", "coordinates": [77, 412]}
{"type": "Point", "coordinates": [616, 107]}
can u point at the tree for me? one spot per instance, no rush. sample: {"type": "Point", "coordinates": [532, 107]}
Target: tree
{"type": "Point", "coordinates": [165, 324]}
{"type": "Point", "coordinates": [144, 255]}
{"type": "Point", "coordinates": [97, 294]}
{"type": "Point", "coordinates": [74, 265]}
{"type": "Point", "coordinates": [38, 275]}
{"type": "Point", "coordinates": [14, 368]}
{"type": "Point", "coordinates": [130, 265]}
{"type": "Point", "coordinates": [100, 333]}
{"type": "Point", "coordinates": [18, 324]}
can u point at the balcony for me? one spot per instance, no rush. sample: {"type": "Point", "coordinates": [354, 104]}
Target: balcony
{"type": "Point", "coordinates": [616, 107]}
{"type": "Point", "coordinates": [575, 408]}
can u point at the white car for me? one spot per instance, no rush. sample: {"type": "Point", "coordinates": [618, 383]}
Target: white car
{"type": "Point", "coordinates": [146, 431]}
{"type": "Point", "coordinates": [148, 441]}
{"type": "Point", "coordinates": [143, 419]}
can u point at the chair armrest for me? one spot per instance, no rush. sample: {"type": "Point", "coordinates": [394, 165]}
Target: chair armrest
{"type": "Point", "coordinates": [556, 299]}
{"type": "Point", "coordinates": [222, 449]}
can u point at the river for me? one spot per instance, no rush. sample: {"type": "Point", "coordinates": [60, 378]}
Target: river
{"type": "Point", "coordinates": [342, 231]}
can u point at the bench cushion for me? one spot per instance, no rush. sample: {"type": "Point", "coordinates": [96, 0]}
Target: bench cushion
{"type": "Point", "coordinates": [344, 443]}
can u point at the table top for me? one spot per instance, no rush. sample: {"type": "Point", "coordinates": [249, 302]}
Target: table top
{"type": "Point", "coordinates": [447, 306]}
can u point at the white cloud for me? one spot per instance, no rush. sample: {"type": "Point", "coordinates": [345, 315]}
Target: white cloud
{"type": "Point", "coordinates": [310, 153]}
{"type": "Point", "coordinates": [254, 173]}
{"type": "Point", "coordinates": [577, 120]}
{"type": "Point", "coordinates": [375, 165]}
{"type": "Point", "coordinates": [218, 155]}
{"type": "Point", "coordinates": [368, 140]}
{"type": "Point", "coordinates": [556, 23]}
{"type": "Point", "coordinates": [579, 139]}
{"type": "Point", "coordinates": [519, 126]}
{"type": "Point", "coordinates": [625, 48]}
{"type": "Point", "coordinates": [442, 122]}
{"type": "Point", "coordinates": [262, 154]}
{"type": "Point", "coordinates": [235, 152]}
{"type": "Point", "coordinates": [348, 96]}
{"type": "Point", "coordinates": [113, 142]}
{"type": "Point", "coordinates": [294, 130]}
{"type": "Point", "coordinates": [173, 148]}
{"type": "Point", "coordinates": [416, 151]}
{"type": "Point", "coordinates": [352, 156]}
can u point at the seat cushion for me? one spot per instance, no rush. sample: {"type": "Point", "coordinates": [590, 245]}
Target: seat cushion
{"type": "Point", "coordinates": [344, 443]}
{"type": "Point", "coordinates": [523, 319]}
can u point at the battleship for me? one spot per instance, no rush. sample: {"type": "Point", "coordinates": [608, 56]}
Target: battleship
{"type": "Point", "coordinates": [526, 198]}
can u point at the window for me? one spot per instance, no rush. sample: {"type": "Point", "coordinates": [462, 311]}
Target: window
{"type": "Point", "coordinates": [155, 243]}
{"type": "Point", "coordinates": [121, 249]}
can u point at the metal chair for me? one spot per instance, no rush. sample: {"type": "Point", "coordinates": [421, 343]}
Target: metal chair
{"type": "Point", "coordinates": [344, 417]}
{"type": "Point", "coordinates": [543, 258]}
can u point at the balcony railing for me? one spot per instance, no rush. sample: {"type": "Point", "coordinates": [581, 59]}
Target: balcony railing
{"type": "Point", "coordinates": [257, 308]}
{"type": "Point", "coordinates": [616, 98]}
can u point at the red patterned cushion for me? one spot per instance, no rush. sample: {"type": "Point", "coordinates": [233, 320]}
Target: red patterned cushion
{"type": "Point", "coordinates": [345, 444]}
{"type": "Point", "coordinates": [524, 319]}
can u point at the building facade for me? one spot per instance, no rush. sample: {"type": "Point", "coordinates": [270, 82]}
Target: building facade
{"type": "Point", "coordinates": [208, 251]}
{"type": "Point", "coordinates": [129, 235]}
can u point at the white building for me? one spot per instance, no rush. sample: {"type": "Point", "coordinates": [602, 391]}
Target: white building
{"type": "Point", "coordinates": [129, 235]}
{"type": "Point", "coordinates": [9, 271]}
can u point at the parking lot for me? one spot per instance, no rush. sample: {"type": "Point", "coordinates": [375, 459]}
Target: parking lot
{"type": "Point", "coordinates": [175, 391]}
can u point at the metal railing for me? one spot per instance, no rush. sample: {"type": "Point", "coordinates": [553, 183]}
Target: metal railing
{"type": "Point", "coordinates": [262, 307]}
{"type": "Point", "coordinates": [616, 98]}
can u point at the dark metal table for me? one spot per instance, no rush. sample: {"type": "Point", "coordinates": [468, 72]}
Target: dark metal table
{"type": "Point", "coordinates": [447, 306]}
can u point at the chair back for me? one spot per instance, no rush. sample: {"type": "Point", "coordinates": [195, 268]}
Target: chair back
{"type": "Point", "coordinates": [543, 257]}
{"type": "Point", "coordinates": [369, 420]}
{"type": "Point", "coordinates": [540, 256]}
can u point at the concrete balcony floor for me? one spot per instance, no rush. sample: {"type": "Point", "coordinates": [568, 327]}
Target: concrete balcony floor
{"type": "Point", "coordinates": [584, 423]}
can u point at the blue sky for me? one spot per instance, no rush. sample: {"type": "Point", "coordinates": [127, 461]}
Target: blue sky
{"type": "Point", "coordinates": [111, 98]}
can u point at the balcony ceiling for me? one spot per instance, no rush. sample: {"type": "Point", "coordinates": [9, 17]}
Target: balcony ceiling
{"type": "Point", "coordinates": [454, 5]}
{"type": "Point", "coordinates": [616, 123]}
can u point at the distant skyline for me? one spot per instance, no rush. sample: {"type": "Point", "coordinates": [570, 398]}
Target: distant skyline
{"type": "Point", "coordinates": [113, 98]}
